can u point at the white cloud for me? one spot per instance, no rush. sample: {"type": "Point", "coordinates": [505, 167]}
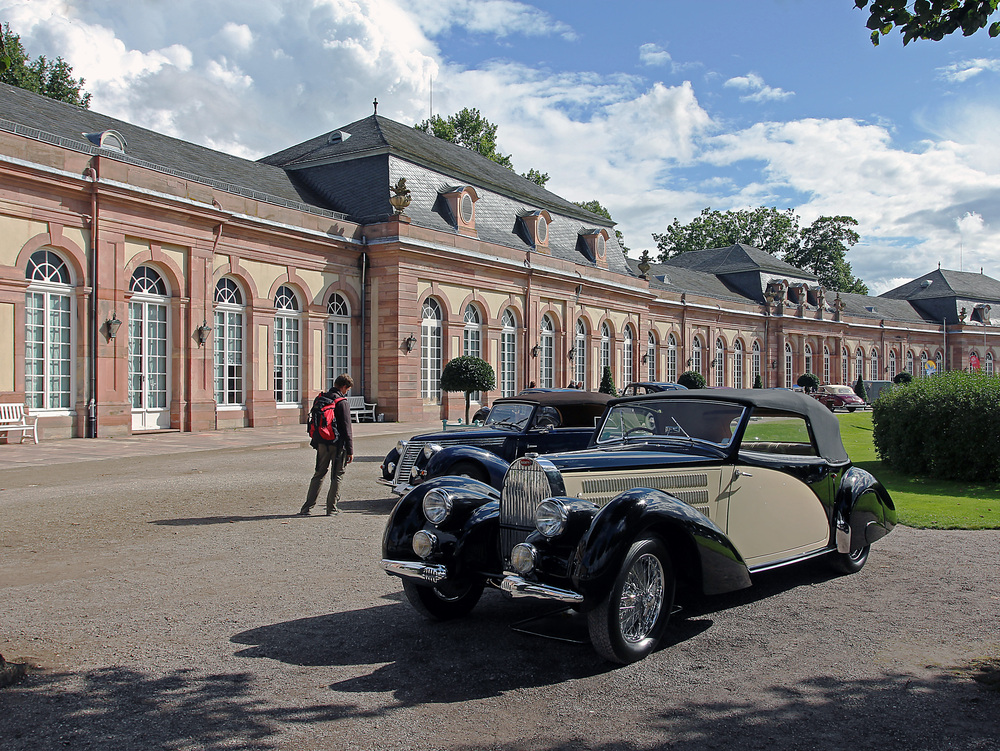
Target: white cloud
{"type": "Point", "coordinates": [499, 18]}
{"type": "Point", "coordinates": [653, 55]}
{"type": "Point", "coordinates": [966, 69]}
{"type": "Point", "coordinates": [759, 91]}
{"type": "Point", "coordinates": [238, 36]}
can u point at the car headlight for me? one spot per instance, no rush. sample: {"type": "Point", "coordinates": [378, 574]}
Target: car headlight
{"type": "Point", "coordinates": [430, 449]}
{"type": "Point", "coordinates": [401, 447]}
{"type": "Point", "coordinates": [550, 518]}
{"type": "Point", "coordinates": [391, 468]}
{"type": "Point", "coordinates": [437, 505]}
{"type": "Point", "coordinates": [424, 543]}
{"type": "Point", "coordinates": [522, 558]}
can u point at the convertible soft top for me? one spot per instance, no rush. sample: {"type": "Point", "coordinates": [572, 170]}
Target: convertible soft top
{"type": "Point", "coordinates": [825, 426]}
{"type": "Point", "coordinates": [558, 398]}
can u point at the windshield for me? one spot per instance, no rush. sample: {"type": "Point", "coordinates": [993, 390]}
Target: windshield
{"type": "Point", "coordinates": [842, 390]}
{"type": "Point", "coordinates": [510, 416]}
{"type": "Point", "coordinates": [673, 419]}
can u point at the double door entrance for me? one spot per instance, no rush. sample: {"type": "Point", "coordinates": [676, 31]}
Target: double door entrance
{"type": "Point", "coordinates": [148, 365]}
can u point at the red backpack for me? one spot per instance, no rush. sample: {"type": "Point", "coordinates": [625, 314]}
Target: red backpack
{"type": "Point", "coordinates": [322, 422]}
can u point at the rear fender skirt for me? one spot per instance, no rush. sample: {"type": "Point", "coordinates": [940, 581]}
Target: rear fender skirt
{"type": "Point", "coordinates": [706, 554]}
{"type": "Point", "coordinates": [864, 511]}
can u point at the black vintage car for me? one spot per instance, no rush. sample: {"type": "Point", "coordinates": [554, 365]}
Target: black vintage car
{"type": "Point", "coordinates": [681, 491]}
{"type": "Point", "coordinates": [540, 422]}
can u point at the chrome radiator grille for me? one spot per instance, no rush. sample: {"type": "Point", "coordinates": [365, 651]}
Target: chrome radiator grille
{"type": "Point", "coordinates": [407, 460]}
{"type": "Point", "coordinates": [524, 487]}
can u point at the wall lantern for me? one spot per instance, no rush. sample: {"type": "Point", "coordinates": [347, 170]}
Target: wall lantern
{"type": "Point", "coordinates": [202, 333]}
{"type": "Point", "coordinates": [113, 325]}
{"type": "Point", "coordinates": [774, 364]}
{"type": "Point", "coordinates": [408, 343]}
{"type": "Point", "coordinates": [571, 353]}
{"type": "Point", "coordinates": [689, 362]}
{"type": "Point", "coordinates": [645, 358]}
{"type": "Point", "coordinates": [534, 350]}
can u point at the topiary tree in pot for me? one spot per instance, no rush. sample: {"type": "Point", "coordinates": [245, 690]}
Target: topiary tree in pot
{"type": "Point", "coordinates": [808, 381]}
{"type": "Point", "coordinates": [608, 383]}
{"type": "Point", "coordinates": [468, 374]}
{"type": "Point", "coordinates": [692, 379]}
{"type": "Point", "coordinates": [757, 383]}
{"type": "Point", "coordinates": [860, 390]}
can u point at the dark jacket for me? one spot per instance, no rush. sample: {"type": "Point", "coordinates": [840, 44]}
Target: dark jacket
{"type": "Point", "coordinates": [345, 437]}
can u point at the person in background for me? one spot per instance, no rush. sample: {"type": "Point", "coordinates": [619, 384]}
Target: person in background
{"type": "Point", "coordinates": [339, 453]}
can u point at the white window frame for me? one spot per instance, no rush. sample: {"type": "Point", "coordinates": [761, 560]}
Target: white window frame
{"type": "Point", "coordinates": [580, 352]}
{"type": "Point", "coordinates": [755, 364]}
{"type": "Point", "coordinates": [628, 355]}
{"type": "Point", "coordinates": [431, 350]}
{"type": "Point", "coordinates": [788, 365]}
{"type": "Point", "coordinates": [605, 348]}
{"type": "Point", "coordinates": [508, 353]}
{"type": "Point", "coordinates": [287, 348]}
{"type": "Point", "coordinates": [720, 363]}
{"type": "Point", "coordinates": [338, 338]}
{"type": "Point", "coordinates": [472, 339]}
{"type": "Point", "coordinates": [738, 381]}
{"type": "Point", "coordinates": [672, 358]}
{"type": "Point", "coordinates": [651, 357]}
{"type": "Point", "coordinates": [826, 364]}
{"type": "Point", "coordinates": [547, 354]}
{"type": "Point", "coordinates": [228, 345]}
{"type": "Point", "coordinates": [49, 330]}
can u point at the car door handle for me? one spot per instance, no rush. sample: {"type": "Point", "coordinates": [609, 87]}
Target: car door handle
{"type": "Point", "coordinates": [741, 473]}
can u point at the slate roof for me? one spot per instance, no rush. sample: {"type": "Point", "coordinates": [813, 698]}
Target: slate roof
{"type": "Point", "coordinates": [945, 283]}
{"type": "Point", "coordinates": [736, 259]}
{"type": "Point", "coordinates": [679, 279]}
{"type": "Point", "coordinates": [44, 119]}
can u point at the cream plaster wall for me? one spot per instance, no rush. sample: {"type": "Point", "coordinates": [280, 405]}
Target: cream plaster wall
{"type": "Point", "coordinates": [133, 247]}
{"type": "Point", "coordinates": [218, 262]}
{"type": "Point", "coordinates": [177, 254]}
{"type": "Point", "coordinates": [15, 233]}
{"type": "Point", "coordinates": [77, 235]}
{"type": "Point", "coordinates": [7, 346]}
{"type": "Point", "coordinates": [317, 281]}
{"type": "Point", "coordinates": [263, 274]}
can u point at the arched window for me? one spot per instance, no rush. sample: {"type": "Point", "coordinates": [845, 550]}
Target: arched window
{"type": "Point", "coordinates": [873, 374]}
{"type": "Point", "coordinates": [859, 364]}
{"type": "Point", "coordinates": [755, 363]}
{"type": "Point", "coordinates": [696, 355]}
{"type": "Point", "coordinates": [338, 338]}
{"type": "Point", "coordinates": [508, 354]}
{"type": "Point", "coordinates": [788, 366]}
{"type": "Point", "coordinates": [738, 365]}
{"type": "Point", "coordinates": [826, 364]}
{"type": "Point", "coordinates": [286, 346]}
{"type": "Point", "coordinates": [605, 348]}
{"type": "Point", "coordinates": [939, 361]}
{"type": "Point", "coordinates": [989, 363]}
{"type": "Point", "coordinates": [580, 352]}
{"type": "Point", "coordinates": [720, 363]}
{"type": "Point", "coordinates": [546, 366]}
{"type": "Point", "coordinates": [651, 357]}
{"type": "Point", "coordinates": [845, 366]}
{"type": "Point", "coordinates": [48, 330]}
{"type": "Point", "coordinates": [672, 359]}
{"type": "Point", "coordinates": [909, 361]}
{"type": "Point", "coordinates": [627, 355]}
{"type": "Point", "coordinates": [148, 350]}
{"type": "Point", "coordinates": [228, 343]}
{"type": "Point", "coordinates": [923, 365]}
{"type": "Point", "coordinates": [809, 358]}
{"type": "Point", "coordinates": [892, 364]}
{"type": "Point", "coordinates": [472, 345]}
{"type": "Point", "coordinates": [430, 350]}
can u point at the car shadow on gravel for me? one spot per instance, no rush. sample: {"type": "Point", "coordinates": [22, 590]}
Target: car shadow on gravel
{"type": "Point", "coordinates": [124, 708]}
{"type": "Point", "coordinates": [407, 655]}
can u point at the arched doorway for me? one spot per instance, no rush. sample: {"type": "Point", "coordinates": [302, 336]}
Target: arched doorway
{"type": "Point", "coordinates": [148, 359]}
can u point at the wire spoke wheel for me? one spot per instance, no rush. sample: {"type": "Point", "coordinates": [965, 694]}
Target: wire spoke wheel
{"type": "Point", "coordinates": [642, 598]}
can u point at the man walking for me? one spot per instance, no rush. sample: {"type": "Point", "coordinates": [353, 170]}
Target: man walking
{"type": "Point", "coordinates": [339, 452]}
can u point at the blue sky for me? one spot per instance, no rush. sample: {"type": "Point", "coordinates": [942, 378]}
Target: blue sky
{"type": "Point", "coordinates": [655, 108]}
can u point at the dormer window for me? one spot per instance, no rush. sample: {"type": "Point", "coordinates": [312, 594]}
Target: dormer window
{"type": "Point", "coordinates": [461, 202]}
{"type": "Point", "coordinates": [536, 226]}
{"type": "Point", "coordinates": [338, 136]}
{"type": "Point", "coordinates": [596, 244]}
{"type": "Point", "coordinates": [108, 139]}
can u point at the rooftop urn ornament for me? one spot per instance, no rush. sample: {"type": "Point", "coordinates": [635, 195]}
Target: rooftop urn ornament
{"type": "Point", "coordinates": [962, 315]}
{"type": "Point", "coordinates": [400, 197]}
{"type": "Point", "coordinates": [644, 265]}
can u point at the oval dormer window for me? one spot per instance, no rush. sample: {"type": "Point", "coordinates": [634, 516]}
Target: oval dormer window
{"type": "Point", "coordinates": [467, 208]}
{"type": "Point", "coordinates": [107, 139]}
{"type": "Point", "coordinates": [601, 246]}
{"type": "Point", "coordinates": [541, 230]}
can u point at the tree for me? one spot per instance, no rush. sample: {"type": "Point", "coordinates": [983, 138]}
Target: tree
{"type": "Point", "coordinates": [822, 248]}
{"type": "Point", "coordinates": [468, 374]}
{"type": "Point", "coordinates": [929, 19]}
{"type": "Point", "coordinates": [769, 229]}
{"type": "Point", "coordinates": [691, 379]}
{"type": "Point", "coordinates": [757, 383]}
{"type": "Point", "coordinates": [860, 390]}
{"type": "Point", "coordinates": [607, 383]}
{"type": "Point", "coordinates": [470, 129]}
{"type": "Point", "coordinates": [902, 378]}
{"type": "Point", "coordinates": [808, 381]}
{"type": "Point", "coordinates": [595, 207]}
{"type": "Point", "coordinates": [51, 79]}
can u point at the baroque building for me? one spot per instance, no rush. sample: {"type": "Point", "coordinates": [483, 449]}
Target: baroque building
{"type": "Point", "coordinates": [151, 284]}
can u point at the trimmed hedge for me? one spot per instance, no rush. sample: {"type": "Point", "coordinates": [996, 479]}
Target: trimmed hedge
{"type": "Point", "coordinates": [691, 379]}
{"type": "Point", "coordinates": [945, 426]}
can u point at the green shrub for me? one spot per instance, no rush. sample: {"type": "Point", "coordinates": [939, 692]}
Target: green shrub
{"type": "Point", "coordinates": [902, 378]}
{"type": "Point", "coordinates": [808, 381]}
{"type": "Point", "coordinates": [757, 383]}
{"type": "Point", "coordinates": [608, 383]}
{"type": "Point", "coordinates": [944, 427]}
{"type": "Point", "coordinates": [468, 374]}
{"type": "Point", "coordinates": [692, 379]}
{"type": "Point", "coordinates": [860, 390]}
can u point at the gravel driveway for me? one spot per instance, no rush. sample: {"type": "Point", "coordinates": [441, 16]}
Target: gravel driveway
{"type": "Point", "coordinates": [175, 602]}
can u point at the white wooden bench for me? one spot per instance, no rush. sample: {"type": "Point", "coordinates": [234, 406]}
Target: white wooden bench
{"type": "Point", "coordinates": [361, 409]}
{"type": "Point", "coordinates": [13, 417]}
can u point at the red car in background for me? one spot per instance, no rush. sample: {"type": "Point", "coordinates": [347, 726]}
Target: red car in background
{"type": "Point", "coordinates": [834, 397]}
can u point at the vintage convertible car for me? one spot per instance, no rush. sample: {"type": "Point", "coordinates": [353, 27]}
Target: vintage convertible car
{"type": "Point", "coordinates": [681, 491]}
{"type": "Point", "coordinates": [838, 397]}
{"type": "Point", "coordinates": [539, 421]}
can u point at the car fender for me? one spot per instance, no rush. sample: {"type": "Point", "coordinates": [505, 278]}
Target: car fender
{"type": "Point", "coordinates": [469, 538]}
{"type": "Point", "coordinates": [493, 466]}
{"type": "Point", "coordinates": [701, 553]}
{"type": "Point", "coordinates": [863, 512]}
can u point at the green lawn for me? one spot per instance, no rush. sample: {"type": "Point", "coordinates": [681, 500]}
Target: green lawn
{"type": "Point", "coordinates": [922, 502]}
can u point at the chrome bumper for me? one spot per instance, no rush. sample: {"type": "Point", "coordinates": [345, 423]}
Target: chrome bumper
{"type": "Point", "coordinates": [515, 586]}
{"type": "Point", "coordinates": [398, 489]}
{"type": "Point", "coordinates": [428, 572]}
